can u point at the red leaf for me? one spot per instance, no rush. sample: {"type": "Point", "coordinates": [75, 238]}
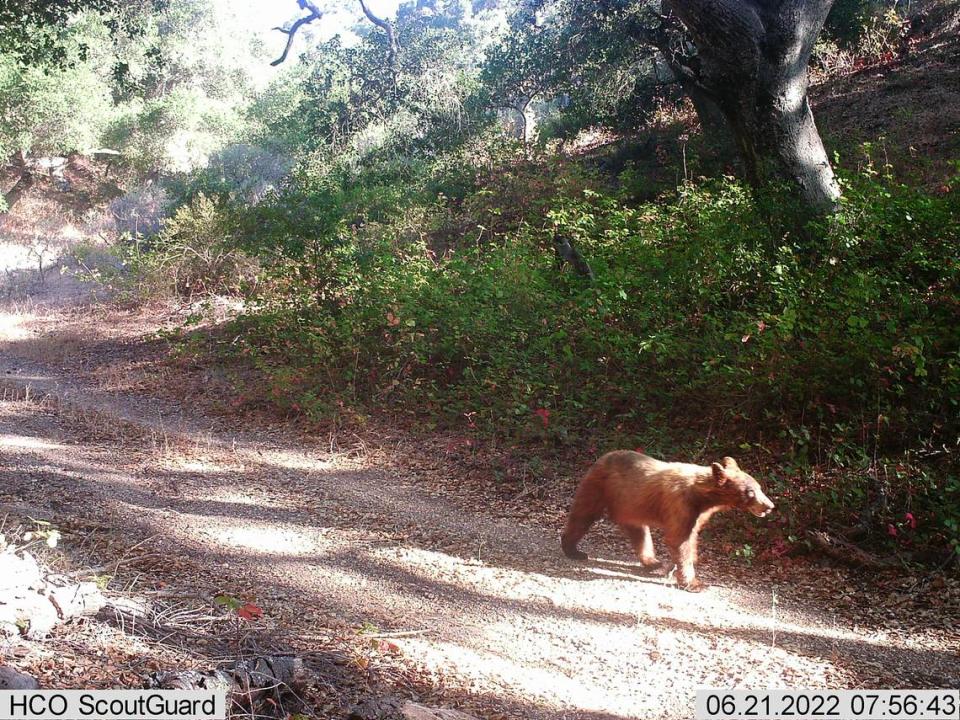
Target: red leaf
{"type": "Point", "coordinates": [544, 415]}
{"type": "Point", "coordinates": [891, 531]}
{"type": "Point", "coordinates": [250, 612]}
{"type": "Point", "coordinates": [911, 520]}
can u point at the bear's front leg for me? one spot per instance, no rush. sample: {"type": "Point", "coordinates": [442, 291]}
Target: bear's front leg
{"type": "Point", "coordinates": [686, 559]}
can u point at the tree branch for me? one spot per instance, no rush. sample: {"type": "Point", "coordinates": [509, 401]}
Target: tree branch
{"type": "Point", "coordinates": [387, 27]}
{"type": "Point", "coordinates": [315, 14]}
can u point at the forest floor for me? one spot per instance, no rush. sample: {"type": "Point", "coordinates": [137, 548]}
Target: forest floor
{"type": "Point", "coordinates": [373, 557]}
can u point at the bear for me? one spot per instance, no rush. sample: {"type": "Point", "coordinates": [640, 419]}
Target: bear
{"type": "Point", "coordinates": [638, 492]}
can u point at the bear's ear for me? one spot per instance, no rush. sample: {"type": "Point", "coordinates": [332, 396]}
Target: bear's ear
{"type": "Point", "coordinates": [719, 475]}
{"type": "Point", "coordinates": [730, 464]}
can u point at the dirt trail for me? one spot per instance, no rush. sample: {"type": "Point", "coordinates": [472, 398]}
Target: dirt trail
{"type": "Point", "coordinates": [322, 540]}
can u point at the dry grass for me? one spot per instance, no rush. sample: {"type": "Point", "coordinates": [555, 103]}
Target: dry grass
{"type": "Point", "coordinates": [57, 348]}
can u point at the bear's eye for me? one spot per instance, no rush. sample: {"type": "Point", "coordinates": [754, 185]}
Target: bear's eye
{"type": "Point", "coordinates": [751, 494]}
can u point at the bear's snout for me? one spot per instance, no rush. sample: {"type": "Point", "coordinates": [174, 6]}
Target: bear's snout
{"type": "Point", "coordinates": [762, 506]}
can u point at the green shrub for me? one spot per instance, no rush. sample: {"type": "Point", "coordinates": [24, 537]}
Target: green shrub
{"type": "Point", "coordinates": [194, 253]}
{"type": "Point", "coordinates": [696, 304]}
{"type": "Point", "coordinates": [871, 28]}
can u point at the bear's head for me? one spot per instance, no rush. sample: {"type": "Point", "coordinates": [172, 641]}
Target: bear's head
{"type": "Point", "coordinates": [743, 490]}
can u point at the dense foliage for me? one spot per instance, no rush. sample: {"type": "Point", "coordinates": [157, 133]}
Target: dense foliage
{"type": "Point", "coordinates": [162, 97]}
{"type": "Point", "coordinates": [34, 31]}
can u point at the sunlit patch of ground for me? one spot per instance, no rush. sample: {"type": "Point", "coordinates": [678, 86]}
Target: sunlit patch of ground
{"type": "Point", "coordinates": [24, 442]}
{"type": "Point", "coordinates": [14, 326]}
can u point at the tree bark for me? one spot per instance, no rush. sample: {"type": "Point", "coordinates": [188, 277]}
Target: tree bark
{"type": "Point", "coordinates": [21, 186]}
{"type": "Point", "coordinates": [670, 38]}
{"type": "Point", "coordinates": [752, 58]}
{"type": "Point", "coordinates": [393, 45]}
{"type": "Point", "coordinates": [315, 14]}
{"type": "Point", "coordinates": [529, 120]}
{"type": "Point", "coordinates": [526, 121]}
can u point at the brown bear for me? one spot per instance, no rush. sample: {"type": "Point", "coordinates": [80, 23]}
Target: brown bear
{"type": "Point", "coordinates": [637, 492]}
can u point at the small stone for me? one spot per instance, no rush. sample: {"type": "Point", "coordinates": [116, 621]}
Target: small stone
{"type": "Point", "coordinates": [10, 679]}
{"type": "Point", "coordinates": [18, 571]}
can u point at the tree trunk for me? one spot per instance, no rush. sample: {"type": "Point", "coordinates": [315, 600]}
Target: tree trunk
{"type": "Point", "coordinates": [716, 130]}
{"type": "Point", "coordinates": [521, 129]}
{"type": "Point", "coordinates": [670, 39]}
{"type": "Point", "coordinates": [801, 155]}
{"type": "Point", "coordinates": [524, 127]}
{"type": "Point", "coordinates": [21, 186]}
{"type": "Point", "coordinates": [752, 61]}
{"type": "Point", "coordinates": [529, 125]}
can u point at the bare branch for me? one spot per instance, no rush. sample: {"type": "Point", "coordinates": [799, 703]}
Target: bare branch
{"type": "Point", "coordinates": [387, 27]}
{"type": "Point", "coordinates": [315, 14]}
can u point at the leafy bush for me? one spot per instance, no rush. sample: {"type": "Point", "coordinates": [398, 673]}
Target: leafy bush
{"type": "Point", "coordinates": [869, 28]}
{"type": "Point", "coordinates": [244, 173]}
{"type": "Point", "coordinates": [699, 292]}
{"type": "Point", "coordinates": [58, 108]}
{"type": "Point", "coordinates": [194, 253]}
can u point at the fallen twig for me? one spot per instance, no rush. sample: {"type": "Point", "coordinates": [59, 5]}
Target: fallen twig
{"type": "Point", "coordinates": [845, 552]}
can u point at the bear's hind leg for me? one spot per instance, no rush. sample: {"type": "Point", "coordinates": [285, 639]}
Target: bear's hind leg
{"type": "Point", "coordinates": [588, 507]}
{"type": "Point", "coordinates": [577, 526]}
{"type": "Point", "coordinates": [642, 542]}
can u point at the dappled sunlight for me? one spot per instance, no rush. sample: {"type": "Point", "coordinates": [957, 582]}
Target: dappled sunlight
{"type": "Point", "coordinates": [555, 689]}
{"type": "Point", "coordinates": [597, 637]}
{"type": "Point", "coordinates": [611, 592]}
{"type": "Point", "coordinates": [177, 461]}
{"type": "Point", "coordinates": [236, 498]}
{"type": "Point", "coordinates": [648, 681]}
{"type": "Point", "coordinates": [15, 326]}
{"type": "Point", "coordinates": [264, 538]}
{"type": "Point", "coordinates": [26, 442]}
{"type": "Point", "coordinates": [291, 460]}
{"type": "Point", "coordinates": [25, 256]}
{"type": "Point", "coordinates": [649, 600]}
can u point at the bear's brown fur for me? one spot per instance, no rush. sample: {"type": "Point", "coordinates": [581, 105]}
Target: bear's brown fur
{"type": "Point", "coordinates": [637, 492]}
